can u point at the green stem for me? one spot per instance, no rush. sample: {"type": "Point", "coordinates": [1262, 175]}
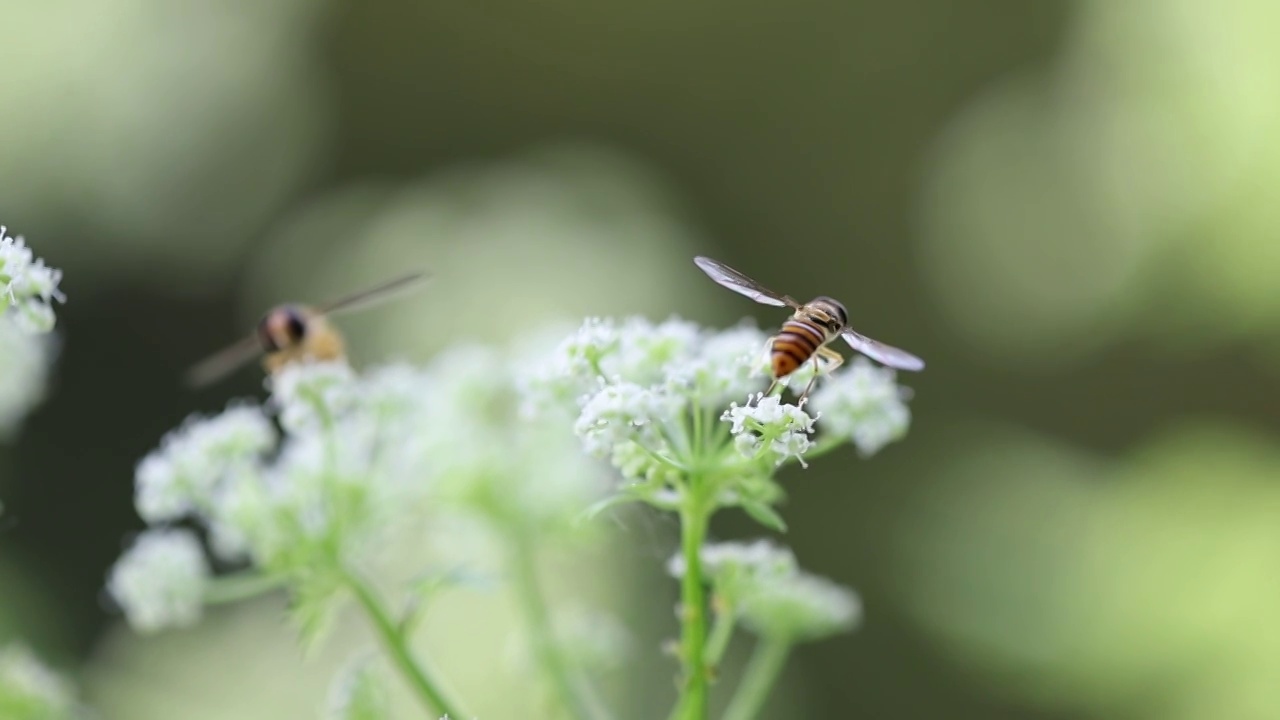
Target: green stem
{"type": "Point", "coordinates": [721, 633]}
{"type": "Point", "coordinates": [575, 695]}
{"type": "Point", "coordinates": [762, 672]}
{"type": "Point", "coordinates": [242, 586]}
{"type": "Point", "coordinates": [693, 612]}
{"type": "Point", "coordinates": [418, 675]}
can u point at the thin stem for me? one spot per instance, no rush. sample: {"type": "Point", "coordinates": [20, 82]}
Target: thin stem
{"type": "Point", "coordinates": [417, 674]}
{"type": "Point", "coordinates": [242, 586]}
{"type": "Point", "coordinates": [575, 695]}
{"type": "Point", "coordinates": [693, 611]}
{"type": "Point", "coordinates": [721, 633]}
{"type": "Point", "coordinates": [762, 672]}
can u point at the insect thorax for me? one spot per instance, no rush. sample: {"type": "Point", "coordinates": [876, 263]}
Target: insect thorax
{"type": "Point", "coordinates": [826, 312]}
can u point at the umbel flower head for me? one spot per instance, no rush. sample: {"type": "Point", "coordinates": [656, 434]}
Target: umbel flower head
{"type": "Point", "coordinates": [28, 289]}
{"type": "Point", "coordinates": [761, 584]}
{"type": "Point", "coordinates": [306, 487]}
{"type": "Point", "coordinates": [671, 400]}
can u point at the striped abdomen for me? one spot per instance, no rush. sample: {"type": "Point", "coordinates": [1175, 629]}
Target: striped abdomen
{"type": "Point", "coordinates": [795, 343]}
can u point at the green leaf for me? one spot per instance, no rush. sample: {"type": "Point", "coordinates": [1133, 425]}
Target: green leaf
{"type": "Point", "coordinates": [764, 515]}
{"type": "Point", "coordinates": [312, 608]}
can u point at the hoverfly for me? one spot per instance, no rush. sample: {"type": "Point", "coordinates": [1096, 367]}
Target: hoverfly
{"type": "Point", "coordinates": [289, 333]}
{"type": "Point", "coordinates": [807, 333]}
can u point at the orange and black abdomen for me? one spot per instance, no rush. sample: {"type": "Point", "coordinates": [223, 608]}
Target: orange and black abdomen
{"type": "Point", "coordinates": [795, 343]}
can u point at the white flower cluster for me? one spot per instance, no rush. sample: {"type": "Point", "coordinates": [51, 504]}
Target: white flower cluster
{"type": "Point", "coordinates": [763, 585]}
{"type": "Point", "coordinates": [31, 691]}
{"type": "Point", "coordinates": [160, 580]}
{"type": "Point", "coordinates": [27, 290]}
{"type": "Point", "coordinates": [769, 428]}
{"type": "Point", "coordinates": [356, 456]}
{"type": "Point", "coordinates": [647, 395]}
{"type": "Point", "coordinates": [301, 503]}
{"type": "Point", "coordinates": [27, 286]}
{"type": "Point", "coordinates": [863, 403]}
{"type": "Point", "coordinates": [662, 399]}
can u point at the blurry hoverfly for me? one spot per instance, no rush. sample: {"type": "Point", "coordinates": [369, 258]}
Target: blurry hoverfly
{"type": "Point", "coordinates": [290, 333]}
{"type": "Point", "coordinates": [807, 333]}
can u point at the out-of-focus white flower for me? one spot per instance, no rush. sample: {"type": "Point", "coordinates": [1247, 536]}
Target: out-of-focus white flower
{"type": "Point", "coordinates": [800, 607]}
{"type": "Point", "coordinates": [758, 557]}
{"type": "Point", "coordinates": [311, 394]}
{"type": "Point", "coordinates": [27, 290]}
{"type": "Point", "coordinates": [160, 581]}
{"type": "Point", "coordinates": [27, 285]}
{"type": "Point", "coordinates": [623, 412]}
{"type": "Point", "coordinates": [764, 586]}
{"type": "Point", "coordinates": [24, 370]}
{"type": "Point", "coordinates": [727, 365]}
{"type": "Point", "coordinates": [31, 691]}
{"type": "Point", "coordinates": [769, 428]}
{"type": "Point", "coordinates": [486, 455]}
{"type": "Point", "coordinates": [861, 401]}
{"type": "Point", "coordinates": [182, 475]}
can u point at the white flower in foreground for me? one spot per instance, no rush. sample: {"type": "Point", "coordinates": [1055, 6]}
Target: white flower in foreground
{"type": "Point", "coordinates": [861, 401]}
{"type": "Point", "coordinates": [183, 475]}
{"type": "Point", "coordinates": [660, 401]}
{"type": "Point", "coordinates": [31, 691]}
{"type": "Point", "coordinates": [24, 370]}
{"type": "Point", "coordinates": [160, 581]}
{"type": "Point", "coordinates": [27, 286]}
{"type": "Point", "coordinates": [769, 428]}
{"type": "Point", "coordinates": [800, 607]}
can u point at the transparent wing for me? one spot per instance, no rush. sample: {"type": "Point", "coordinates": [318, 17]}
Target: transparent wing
{"type": "Point", "coordinates": [374, 295]}
{"type": "Point", "coordinates": [223, 362]}
{"type": "Point", "coordinates": [741, 284]}
{"type": "Point", "coordinates": [886, 354]}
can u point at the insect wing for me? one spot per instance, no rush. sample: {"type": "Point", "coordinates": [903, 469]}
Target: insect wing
{"type": "Point", "coordinates": [223, 362]}
{"type": "Point", "coordinates": [885, 354]}
{"type": "Point", "coordinates": [374, 295]}
{"type": "Point", "coordinates": [741, 284]}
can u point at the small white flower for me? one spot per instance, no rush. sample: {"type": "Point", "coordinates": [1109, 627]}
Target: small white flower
{"type": "Point", "coordinates": [727, 365]}
{"type": "Point", "coordinates": [31, 689]}
{"type": "Point", "coordinates": [24, 369]}
{"type": "Point", "coordinates": [771, 427]}
{"type": "Point", "coordinates": [623, 412]}
{"type": "Point", "coordinates": [27, 285]}
{"type": "Point", "coordinates": [160, 581]}
{"type": "Point", "coordinates": [863, 402]}
{"type": "Point", "coordinates": [760, 557]}
{"type": "Point", "coordinates": [182, 475]}
{"type": "Point", "coordinates": [800, 607]}
{"type": "Point", "coordinates": [311, 394]}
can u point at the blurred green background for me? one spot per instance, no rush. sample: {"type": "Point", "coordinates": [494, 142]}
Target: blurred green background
{"type": "Point", "coordinates": [1070, 210]}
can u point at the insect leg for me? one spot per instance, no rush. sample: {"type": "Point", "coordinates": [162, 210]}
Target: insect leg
{"type": "Point", "coordinates": [834, 360]}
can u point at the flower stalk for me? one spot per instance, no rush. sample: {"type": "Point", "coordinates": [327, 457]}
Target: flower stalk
{"type": "Point", "coordinates": [762, 673]}
{"type": "Point", "coordinates": [574, 694]}
{"type": "Point", "coordinates": [693, 614]}
{"type": "Point", "coordinates": [419, 677]}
